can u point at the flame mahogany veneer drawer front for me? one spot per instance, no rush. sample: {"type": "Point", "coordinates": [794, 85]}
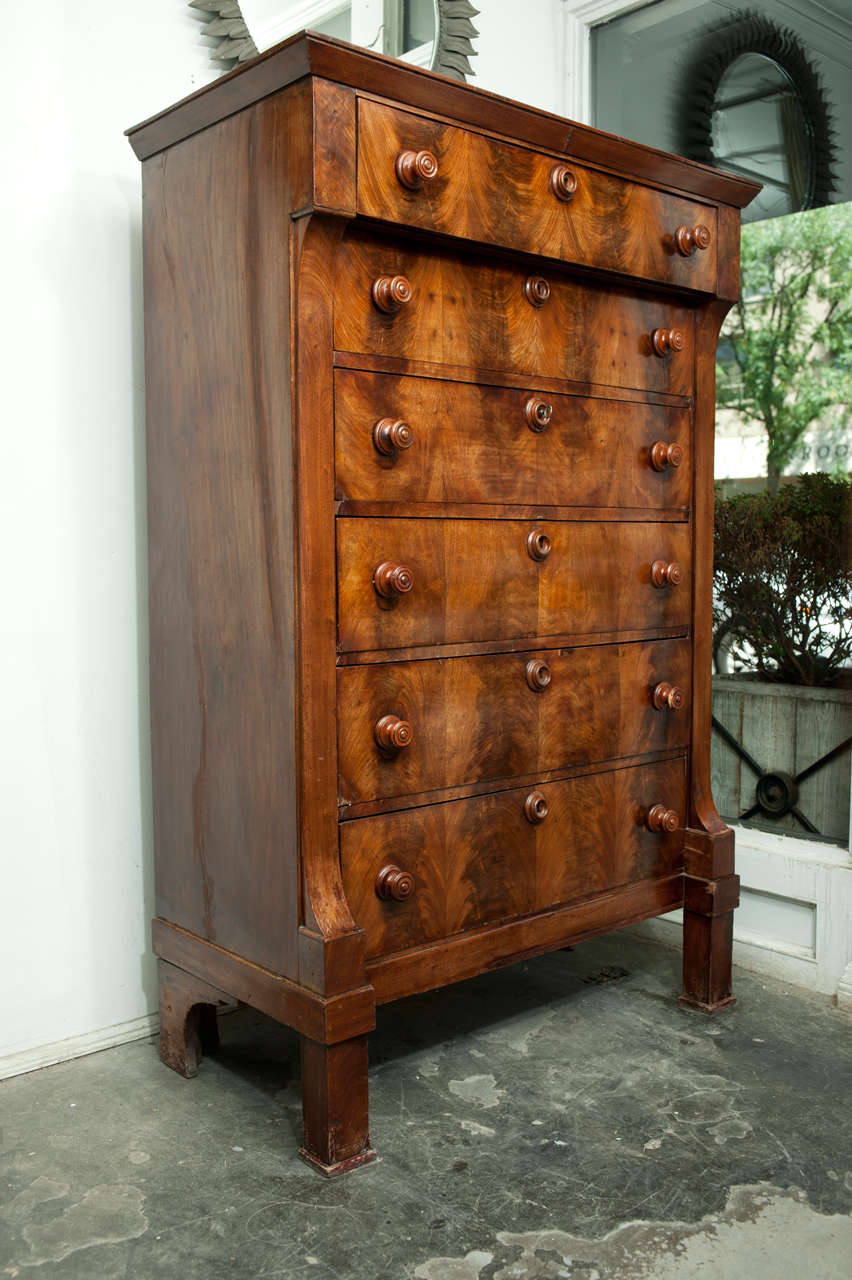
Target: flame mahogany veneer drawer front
{"type": "Point", "coordinates": [422, 874]}
{"type": "Point", "coordinates": [408, 582]}
{"type": "Point", "coordinates": [428, 174]}
{"type": "Point", "coordinates": [458, 309]}
{"type": "Point", "coordinates": [475, 719]}
{"type": "Point", "coordinates": [460, 442]}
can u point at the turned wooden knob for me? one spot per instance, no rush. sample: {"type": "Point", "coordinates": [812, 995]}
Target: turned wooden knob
{"type": "Point", "coordinates": [665, 340]}
{"type": "Point", "coordinates": [665, 455]}
{"type": "Point", "coordinates": [688, 239]}
{"type": "Point", "coordinates": [535, 807]}
{"type": "Point", "coordinates": [668, 695]}
{"type": "Point", "coordinates": [536, 290]}
{"type": "Point", "coordinates": [391, 579]}
{"type": "Point", "coordinates": [537, 413]}
{"type": "Point", "coordinates": [563, 182]}
{"type": "Point", "coordinates": [662, 819]}
{"type": "Point", "coordinates": [538, 545]}
{"type": "Point", "coordinates": [666, 575]}
{"type": "Point", "coordinates": [392, 734]}
{"type": "Point", "coordinates": [392, 434]}
{"type": "Point", "coordinates": [392, 882]}
{"type": "Point", "coordinates": [413, 168]}
{"type": "Point", "coordinates": [391, 292]}
{"type": "Point", "coordinates": [538, 674]}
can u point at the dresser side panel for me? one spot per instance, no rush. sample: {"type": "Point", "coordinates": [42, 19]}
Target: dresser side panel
{"type": "Point", "coordinates": [220, 513]}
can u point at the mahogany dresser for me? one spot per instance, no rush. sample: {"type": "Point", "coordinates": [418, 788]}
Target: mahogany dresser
{"type": "Point", "coordinates": [430, 400]}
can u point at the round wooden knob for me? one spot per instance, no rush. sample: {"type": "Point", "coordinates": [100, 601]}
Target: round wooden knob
{"type": "Point", "coordinates": [537, 413]}
{"type": "Point", "coordinates": [563, 182]}
{"type": "Point", "coordinates": [662, 819]}
{"type": "Point", "coordinates": [391, 579]}
{"type": "Point", "coordinates": [392, 734]}
{"type": "Point", "coordinates": [668, 695]}
{"type": "Point", "coordinates": [535, 807]}
{"type": "Point", "coordinates": [536, 290]}
{"type": "Point", "coordinates": [392, 434]}
{"type": "Point", "coordinates": [538, 674]}
{"type": "Point", "coordinates": [413, 168]}
{"type": "Point", "coordinates": [391, 292]}
{"type": "Point", "coordinates": [665, 340]}
{"type": "Point", "coordinates": [666, 575]}
{"type": "Point", "coordinates": [538, 545]}
{"type": "Point", "coordinates": [665, 455]}
{"type": "Point", "coordinates": [392, 882]}
{"type": "Point", "coordinates": [688, 239]}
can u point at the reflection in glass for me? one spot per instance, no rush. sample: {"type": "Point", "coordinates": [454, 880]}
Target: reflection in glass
{"type": "Point", "coordinates": [418, 24]}
{"type": "Point", "coordinates": [760, 130]}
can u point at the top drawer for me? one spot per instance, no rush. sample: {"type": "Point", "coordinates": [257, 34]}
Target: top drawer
{"type": "Point", "coordinates": [503, 194]}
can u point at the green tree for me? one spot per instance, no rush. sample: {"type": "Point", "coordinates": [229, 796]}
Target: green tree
{"type": "Point", "coordinates": [787, 344]}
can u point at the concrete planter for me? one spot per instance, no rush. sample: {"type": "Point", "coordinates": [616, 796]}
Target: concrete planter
{"type": "Point", "coordinates": [785, 729]}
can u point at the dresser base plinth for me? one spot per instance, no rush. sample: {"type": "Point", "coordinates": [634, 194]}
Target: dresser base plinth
{"type": "Point", "coordinates": [707, 1008]}
{"type": "Point", "coordinates": [342, 1166]}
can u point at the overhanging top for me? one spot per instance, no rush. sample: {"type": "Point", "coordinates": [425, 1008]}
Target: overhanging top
{"type": "Point", "coordinates": [309, 53]}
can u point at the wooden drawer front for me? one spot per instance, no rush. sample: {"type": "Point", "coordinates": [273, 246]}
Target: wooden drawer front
{"type": "Point", "coordinates": [508, 715]}
{"type": "Point", "coordinates": [476, 580]}
{"type": "Point", "coordinates": [474, 312]}
{"type": "Point", "coordinates": [475, 444]}
{"type": "Point", "coordinates": [499, 193]}
{"type": "Point", "coordinates": [479, 860]}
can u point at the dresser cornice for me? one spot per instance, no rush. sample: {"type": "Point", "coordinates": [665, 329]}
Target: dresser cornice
{"type": "Point", "coordinates": [310, 54]}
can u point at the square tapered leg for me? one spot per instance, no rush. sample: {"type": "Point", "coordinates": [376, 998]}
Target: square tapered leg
{"type": "Point", "coordinates": [335, 1105]}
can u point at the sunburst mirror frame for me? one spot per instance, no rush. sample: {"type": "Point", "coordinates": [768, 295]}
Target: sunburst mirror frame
{"type": "Point", "coordinates": [752, 32]}
{"type": "Point", "coordinates": [453, 47]}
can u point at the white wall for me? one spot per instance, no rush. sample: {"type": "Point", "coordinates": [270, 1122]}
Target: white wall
{"type": "Point", "coordinates": [75, 825]}
{"type": "Point", "coordinates": [75, 828]}
{"type": "Point", "coordinates": [519, 51]}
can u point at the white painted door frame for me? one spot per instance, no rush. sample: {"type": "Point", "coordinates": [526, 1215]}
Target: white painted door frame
{"type": "Point", "coordinates": [577, 17]}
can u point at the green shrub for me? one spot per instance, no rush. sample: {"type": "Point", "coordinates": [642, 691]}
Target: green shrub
{"type": "Point", "coordinates": [783, 579]}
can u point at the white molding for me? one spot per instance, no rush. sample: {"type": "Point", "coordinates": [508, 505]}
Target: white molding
{"type": "Point", "coordinates": [577, 19]}
{"type": "Point", "coordinates": [844, 989]}
{"type": "Point", "coordinates": [804, 850]}
{"type": "Point", "coordinates": [47, 1055]}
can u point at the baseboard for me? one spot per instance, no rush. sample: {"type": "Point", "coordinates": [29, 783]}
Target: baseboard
{"type": "Point", "coordinates": [47, 1055]}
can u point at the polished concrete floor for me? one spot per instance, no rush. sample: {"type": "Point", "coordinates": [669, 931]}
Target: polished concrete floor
{"type": "Point", "coordinates": [565, 1118]}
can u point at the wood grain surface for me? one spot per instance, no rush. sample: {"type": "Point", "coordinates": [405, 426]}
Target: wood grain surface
{"type": "Point", "coordinates": [220, 530]}
{"type": "Point", "coordinates": [480, 860]}
{"type": "Point", "coordinates": [475, 580]}
{"type": "Point", "coordinates": [488, 190]}
{"type": "Point", "coordinates": [472, 311]}
{"type": "Point", "coordinates": [479, 718]}
{"type": "Point", "coordinates": [473, 444]}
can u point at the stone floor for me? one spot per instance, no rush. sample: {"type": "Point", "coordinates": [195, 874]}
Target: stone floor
{"type": "Point", "coordinates": [562, 1118]}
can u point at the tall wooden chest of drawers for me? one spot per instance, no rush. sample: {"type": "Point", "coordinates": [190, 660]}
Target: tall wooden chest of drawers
{"type": "Point", "coordinates": [430, 398]}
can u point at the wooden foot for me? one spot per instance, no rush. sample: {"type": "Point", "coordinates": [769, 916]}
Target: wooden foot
{"type": "Point", "coordinates": [188, 1026]}
{"type": "Point", "coordinates": [335, 1106]}
{"type": "Point", "coordinates": [708, 931]}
